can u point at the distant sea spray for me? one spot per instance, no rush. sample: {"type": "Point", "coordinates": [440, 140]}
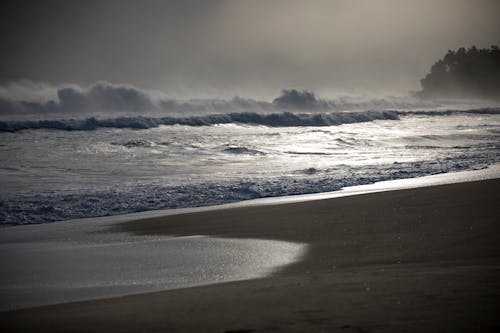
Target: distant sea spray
{"type": "Point", "coordinates": [104, 98]}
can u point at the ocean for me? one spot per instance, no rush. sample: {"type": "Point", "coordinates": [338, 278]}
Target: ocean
{"type": "Point", "coordinates": [64, 167]}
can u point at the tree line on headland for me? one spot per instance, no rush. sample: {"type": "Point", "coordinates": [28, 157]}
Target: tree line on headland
{"type": "Point", "coordinates": [465, 73]}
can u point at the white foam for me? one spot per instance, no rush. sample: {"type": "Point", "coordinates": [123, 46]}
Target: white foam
{"type": "Point", "coordinates": [492, 172]}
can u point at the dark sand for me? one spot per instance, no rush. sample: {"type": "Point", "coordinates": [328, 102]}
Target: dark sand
{"type": "Point", "coordinates": [419, 260]}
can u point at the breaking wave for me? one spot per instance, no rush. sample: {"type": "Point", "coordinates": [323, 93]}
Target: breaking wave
{"type": "Point", "coordinates": [50, 206]}
{"type": "Point", "coordinates": [284, 119]}
{"type": "Point", "coordinates": [452, 112]}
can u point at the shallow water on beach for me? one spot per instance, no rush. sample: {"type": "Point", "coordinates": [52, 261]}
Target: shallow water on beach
{"type": "Point", "coordinates": [54, 263]}
{"type": "Point", "coordinates": [81, 260]}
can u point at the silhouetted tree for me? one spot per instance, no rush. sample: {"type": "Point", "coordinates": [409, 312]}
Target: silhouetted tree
{"type": "Point", "coordinates": [464, 74]}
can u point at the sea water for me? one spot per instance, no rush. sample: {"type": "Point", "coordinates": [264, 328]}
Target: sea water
{"type": "Point", "coordinates": [80, 260]}
{"type": "Point", "coordinates": [59, 168]}
{"type": "Point", "coordinates": [75, 168]}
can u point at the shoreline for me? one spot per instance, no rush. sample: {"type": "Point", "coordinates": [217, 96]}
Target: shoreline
{"type": "Point", "coordinates": [490, 172]}
{"type": "Point", "coordinates": [422, 259]}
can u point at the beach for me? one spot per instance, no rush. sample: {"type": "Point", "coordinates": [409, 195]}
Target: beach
{"type": "Point", "coordinates": [172, 166]}
{"type": "Point", "coordinates": [415, 260]}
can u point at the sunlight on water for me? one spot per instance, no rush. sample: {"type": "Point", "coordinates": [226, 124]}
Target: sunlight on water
{"type": "Point", "coordinates": [55, 175]}
{"type": "Point", "coordinates": [50, 263]}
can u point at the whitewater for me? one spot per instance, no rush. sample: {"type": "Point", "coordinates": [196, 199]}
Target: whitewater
{"type": "Point", "coordinates": [65, 167]}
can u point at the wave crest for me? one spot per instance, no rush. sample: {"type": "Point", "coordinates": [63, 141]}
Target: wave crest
{"type": "Point", "coordinates": [285, 119]}
{"type": "Point", "coordinates": [281, 119]}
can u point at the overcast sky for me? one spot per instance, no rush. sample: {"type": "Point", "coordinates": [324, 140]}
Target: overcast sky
{"type": "Point", "coordinates": [249, 48]}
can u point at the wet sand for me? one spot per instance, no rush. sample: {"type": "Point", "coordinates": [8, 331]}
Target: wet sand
{"type": "Point", "coordinates": [419, 260]}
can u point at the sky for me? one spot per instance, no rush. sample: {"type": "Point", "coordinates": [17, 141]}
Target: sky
{"type": "Point", "coordinates": [246, 48]}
